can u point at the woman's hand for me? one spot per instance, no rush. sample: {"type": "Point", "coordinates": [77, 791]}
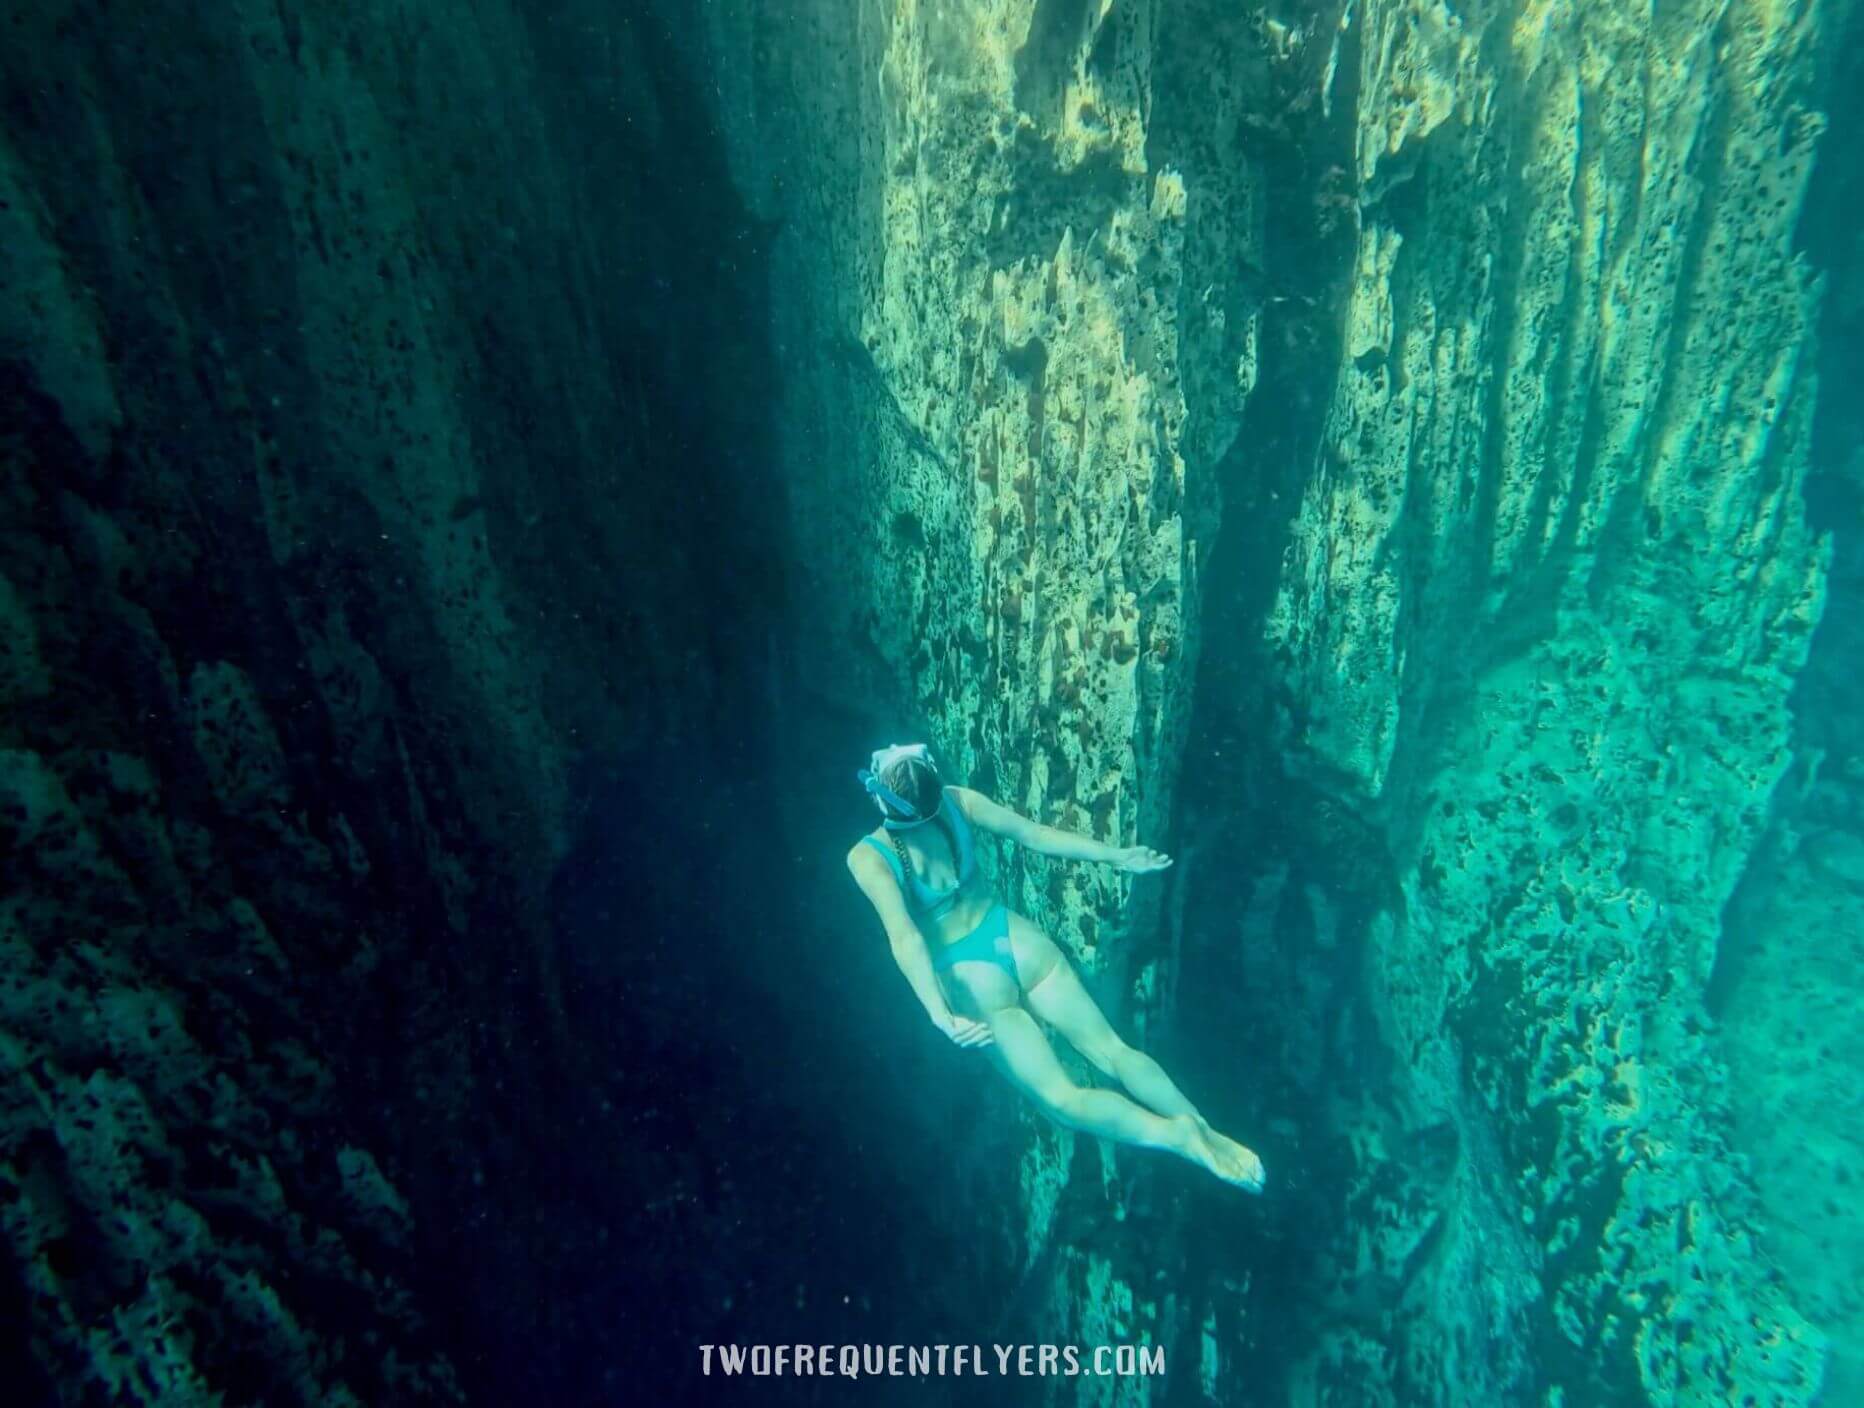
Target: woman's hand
{"type": "Point", "coordinates": [965, 1032]}
{"type": "Point", "coordinates": [1139, 859]}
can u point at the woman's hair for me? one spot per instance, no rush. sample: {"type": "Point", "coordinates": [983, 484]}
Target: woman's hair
{"type": "Point", "coordinates": [916, 781]}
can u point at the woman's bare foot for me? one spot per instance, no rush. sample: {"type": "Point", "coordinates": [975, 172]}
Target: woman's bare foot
{"type": "Point", "coordinates": [1240, 1163]}
{"type": "Point", "coordinates": [1221, 1155]}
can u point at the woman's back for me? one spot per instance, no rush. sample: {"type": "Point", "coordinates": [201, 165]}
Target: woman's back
{"type": "Point", "coordinates": [956, 830]}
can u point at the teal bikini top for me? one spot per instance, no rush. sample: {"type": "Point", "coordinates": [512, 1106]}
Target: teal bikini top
{"type": "Point", "coordinates": [937, 903]}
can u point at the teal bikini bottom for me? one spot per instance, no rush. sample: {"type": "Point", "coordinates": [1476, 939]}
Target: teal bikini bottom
{"type": "Point", "coordinates": [988, 942]}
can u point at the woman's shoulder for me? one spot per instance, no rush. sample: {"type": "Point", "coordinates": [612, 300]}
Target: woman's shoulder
{"type": "Point", "coordinates": [875, 846]}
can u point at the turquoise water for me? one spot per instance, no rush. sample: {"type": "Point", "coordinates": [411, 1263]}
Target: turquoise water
{"type": "Point", "coordinates": [1364, 498]}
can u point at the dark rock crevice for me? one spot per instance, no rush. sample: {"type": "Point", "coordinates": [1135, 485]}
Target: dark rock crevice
{"type": "Point", "coordinates": [391, 537]}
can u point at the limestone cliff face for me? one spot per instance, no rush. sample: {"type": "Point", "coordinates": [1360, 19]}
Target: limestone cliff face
{"type": "Point", "coordinates": [1528, 583]}
{"type": "Point", "coordinates": [1785, 988]}
{"type": "Point", "coordinates": [333, 355]}
{"type": "Point", "coordinates": [1018, 340]}
{"type": "Point", "coordinates": [1016, 296]}
{"type": "Point", "coordinates": [1550, 586]}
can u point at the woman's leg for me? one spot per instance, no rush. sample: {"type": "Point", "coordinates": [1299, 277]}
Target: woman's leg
{"type": "Point", "coordinates": [1056, 995]}
{"type": "Point", "coordinates": [1023, 1054]}
{"type": "Point", "coordinates": [1059, 999]}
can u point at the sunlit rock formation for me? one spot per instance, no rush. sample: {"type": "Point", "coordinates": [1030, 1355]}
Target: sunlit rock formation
{"type": "Point", "coordinates": [1505, 302]}
{"type": "Point", "coordinates": [1017, 294]}
{"type": "Point", "coordinates": [1550, 585]}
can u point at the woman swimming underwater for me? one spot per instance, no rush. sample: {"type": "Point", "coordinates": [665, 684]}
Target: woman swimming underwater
{"type": "Point", "coordinates": [961, 947]}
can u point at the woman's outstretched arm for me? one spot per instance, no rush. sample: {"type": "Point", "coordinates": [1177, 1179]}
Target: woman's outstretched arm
{"type": "Point", "coordinates": [1052, 840]}
{"type": "Point", "coordinates": [909, 949]}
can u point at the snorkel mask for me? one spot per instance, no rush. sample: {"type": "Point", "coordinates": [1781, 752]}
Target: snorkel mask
{"type": "Point", "coordinates": [894, 807]}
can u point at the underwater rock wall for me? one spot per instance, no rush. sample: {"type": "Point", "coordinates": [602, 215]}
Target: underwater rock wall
{"type": "Point", "coordinates": [1548, 590]}
{"type": "Point", "coordinates": [1786, 988]}
{"type": "Point", "coordinates": [1531, 583]}
{"type": "Point", "coordinates": [339, 378]}
{"type": "Point", "coordinates": [1016, 297]}
{"type": "Point", "coordinates": [1015, 341]}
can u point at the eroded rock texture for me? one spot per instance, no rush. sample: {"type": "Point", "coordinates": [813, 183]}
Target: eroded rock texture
{"type": "Point", "coordinates": [1495, 658]}
{"type": "Point", "coordinates": [363, 453]}
{"type": "Point", "coordinates": [1017, 294]}
{"type": "Point", "coordinates": [1549, 588]}
{"type": "Point", "coordinates": [1424, 391]}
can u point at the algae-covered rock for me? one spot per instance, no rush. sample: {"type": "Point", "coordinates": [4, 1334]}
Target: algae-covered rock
{"type": "Point", "coordinates": [1544, 607]}
{"type": "Point", "coordinates": [1532, 584]}
{"type": "Point", "coordinates": [1029, 337]}
{"type": "Point", "coordinates": [1015, 272]}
